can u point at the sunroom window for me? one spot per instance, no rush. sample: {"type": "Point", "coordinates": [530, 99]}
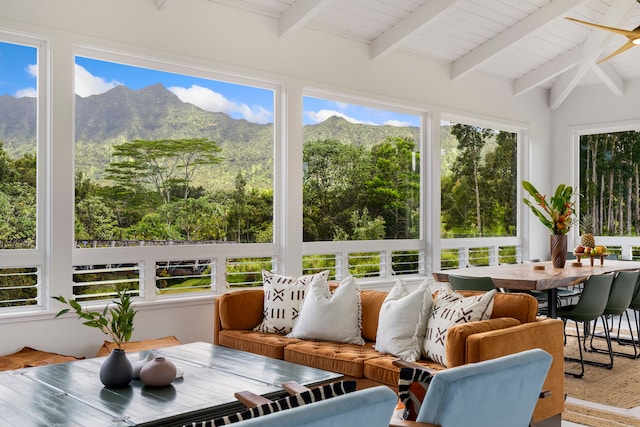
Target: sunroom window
{"type": "Point", "coordinates": [166, 164]}
{"type": "Point", "coordinates": [479, 188]}
{"type": "Point", "coordinates": [22, 144]}
{"type": "Point", "coordinates": [362, 182]}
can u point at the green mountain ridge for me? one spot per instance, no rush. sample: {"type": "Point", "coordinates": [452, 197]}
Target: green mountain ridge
{"type": "Point", "coordinates": [152, 113]}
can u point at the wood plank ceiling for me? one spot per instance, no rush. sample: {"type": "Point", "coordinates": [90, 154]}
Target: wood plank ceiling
{"type": "Point", "coordinates": [526, 42]}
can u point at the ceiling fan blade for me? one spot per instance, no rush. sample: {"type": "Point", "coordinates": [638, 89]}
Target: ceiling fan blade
{"type": "Point", "coordinates": [627, 33]}
{"type": "Point", "coordinates": [627, 45]}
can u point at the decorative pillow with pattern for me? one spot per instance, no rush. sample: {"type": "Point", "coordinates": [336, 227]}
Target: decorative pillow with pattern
{"type": "Point", "coordinates": [412, 388]}
{"type": "Point", "coordinates": [314, 395]}
{"type": "Point", "coordinates": [282, 298]}
{"type": "Point", "coordinates": [402, 322]}
{"type": "Point", "coordinates": [333, 317]}
{"type": "Point", "coordinates": [449, 309]}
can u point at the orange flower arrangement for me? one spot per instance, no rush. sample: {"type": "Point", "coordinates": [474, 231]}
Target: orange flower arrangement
{"type": "Point", "coordinates": [558, 213]}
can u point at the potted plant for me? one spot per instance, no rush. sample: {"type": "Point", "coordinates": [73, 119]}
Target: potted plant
{"type": "Point", "coordinates": [116, 371]}
{"type": "Point", "coordinates": [557, 214]}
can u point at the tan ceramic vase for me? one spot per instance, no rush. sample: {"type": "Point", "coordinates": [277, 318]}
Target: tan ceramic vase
{"type": "Point", "coordinates": [159, 372]}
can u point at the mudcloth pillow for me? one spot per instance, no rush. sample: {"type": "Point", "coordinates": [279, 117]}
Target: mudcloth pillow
{"type": "Point", "coordinates": [449, 309]}
{"type": "Point", "coordinates": [314, 395]}
{"type": "Point", "coordinates": [282, 298]}
{"type": "Point", "coordinates": [402, 322]}
{"type": "Point", "coordinates": [412, 387]}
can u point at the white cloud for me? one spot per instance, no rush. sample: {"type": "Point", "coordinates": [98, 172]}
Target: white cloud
{"type": "Point", "coordinates": [86, 84]}
{"type": "Point", "coordinates": [322, 115]}
{"type": "Point", "coordinates": [32, 70]}
{"type": "Point", "coordinates": [397, 123]}
{"type": "Point", "coordinates": [209, 100]}
{"type": "Point", "coordinates": [29, 92]}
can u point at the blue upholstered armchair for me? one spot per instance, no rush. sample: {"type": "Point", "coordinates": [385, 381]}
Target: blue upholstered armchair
{"type": "Point", "coordinates": [500, 392]}
{"type": "Point", "coordinates": [371, 407]}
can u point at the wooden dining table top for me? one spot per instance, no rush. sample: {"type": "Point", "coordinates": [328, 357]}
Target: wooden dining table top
{"type": "Point", "coordinates": [539, 275]}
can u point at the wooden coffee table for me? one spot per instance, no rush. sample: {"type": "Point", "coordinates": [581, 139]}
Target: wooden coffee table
{"type": "Point", "coordinates": [72, 394]}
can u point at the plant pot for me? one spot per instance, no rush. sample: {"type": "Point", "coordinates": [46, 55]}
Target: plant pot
{"type": "Point", "coordinates": [558, 249]}
{"type": "Point", "coordinates": [116, 370]}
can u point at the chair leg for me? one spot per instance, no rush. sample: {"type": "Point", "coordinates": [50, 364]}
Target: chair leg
{"type": "Point", "coordinates": [624, 342]}
{"type": "Point", "coordinates": [581, 360]}
{"type": "Point", "coordinates": [609, 350]}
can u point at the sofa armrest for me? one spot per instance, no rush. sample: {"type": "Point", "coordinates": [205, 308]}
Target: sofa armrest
{"type": "Point", "coordinates": [458, 334]}
{"type": "Point", "coordinates": [546, 334]}
{"type": "Point", "coordinates": [238, 310]}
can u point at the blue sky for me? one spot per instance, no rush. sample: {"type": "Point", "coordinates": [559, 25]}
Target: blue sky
{"type": "Point", "coordinates": [18, 78]}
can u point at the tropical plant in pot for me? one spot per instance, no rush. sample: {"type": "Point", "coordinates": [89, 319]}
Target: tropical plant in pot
{"type": "Point", "coordinates": [117, 323]}
{"type": "Point", "coordinates": [557, 214]}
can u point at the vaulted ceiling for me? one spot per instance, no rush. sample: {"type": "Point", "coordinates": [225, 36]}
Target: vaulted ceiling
{"type": "Point", "coordinates": [526, 42]}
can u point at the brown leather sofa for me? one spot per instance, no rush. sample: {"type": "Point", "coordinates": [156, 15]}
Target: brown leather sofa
{"type": "Point", "coordinates": [513, 327]}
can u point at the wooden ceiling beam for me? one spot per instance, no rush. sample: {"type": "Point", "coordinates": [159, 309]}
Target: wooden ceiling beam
{"type": "Point", "coordinates": [618, 13]}
{"type": "Point", "coordinates": [510, 36]}
{"type": "Point", "coordinates": [409, 26]}
{"type": "Point", "coordinates": [299, 13]}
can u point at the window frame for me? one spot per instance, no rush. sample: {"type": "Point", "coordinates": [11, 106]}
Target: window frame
{"type": "Point", "coordinates": [36, 257]}
{"type": "Point", "coordinates": [465, 246]}
{"type": "Point", "coordinates": [218, 253]}
{"type": "Point", "coordinates": [627, 244]}
{"type": "Point", "coordinates": [341, 250]}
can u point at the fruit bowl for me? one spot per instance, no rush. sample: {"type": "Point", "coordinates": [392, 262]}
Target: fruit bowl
{"type": "Point", "coordinates": [591, 257]}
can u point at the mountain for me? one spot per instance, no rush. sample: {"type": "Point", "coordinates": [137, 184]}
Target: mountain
{"type": "Point", "coordinates": [122, 114]}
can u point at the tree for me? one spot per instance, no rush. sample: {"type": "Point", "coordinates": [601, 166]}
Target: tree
{"type": "Point", "coordinates": [333, 187]}
{"type": "Point", "coordinates": [162, 165]}
{"type": "Point", "coordinates": [394, 189]}
{"type": "Point", "coordinates": [471, 140]}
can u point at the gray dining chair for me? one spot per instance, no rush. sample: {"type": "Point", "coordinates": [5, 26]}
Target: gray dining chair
{"type": "Point", "coordinates": [469, 283]}
{"type": "Point", "coordinates": [589, 307]}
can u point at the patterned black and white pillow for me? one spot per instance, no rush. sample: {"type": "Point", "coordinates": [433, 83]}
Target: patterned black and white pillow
{"type": "Point", "coordinates": [412, 388]}
{"type": "Point", "coordinates": [282, 298]}
{"type": "Point", "coordinates": [314, 395]}
{"type": "Point", "coordinates": [449, 309]}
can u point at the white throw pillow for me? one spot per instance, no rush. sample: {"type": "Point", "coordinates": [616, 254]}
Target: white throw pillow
{"type": "Point", "coordinates": [449, 309]}
{"type": "Point", "coordinates": [402, 322]}
{"type": "Point", "coordinates": [282, 298]}
{"type": "Point", "coordinates": [330, 317]}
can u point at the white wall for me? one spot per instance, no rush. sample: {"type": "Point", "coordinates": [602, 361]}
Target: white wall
{"type": "Point", "coordinates": [204, 34]}
{"type": "Point", "coordinates": [590, 107]}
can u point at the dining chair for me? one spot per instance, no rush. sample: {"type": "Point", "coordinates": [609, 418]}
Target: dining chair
{"type": "Point", "coordinates": [635, 307]}
{"type": "Point", "coordinates": [469, 283]}
{"type": "Point", "coordinates": [590, 306]}
{"type": "Point", "coordinates": [622, 292]}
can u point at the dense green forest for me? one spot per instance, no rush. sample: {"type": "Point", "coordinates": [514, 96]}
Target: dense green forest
{"type": "Point", "coordinates": [610, 183]}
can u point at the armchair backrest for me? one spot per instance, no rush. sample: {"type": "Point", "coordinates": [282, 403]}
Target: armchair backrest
{"type": "Point", "coordinates": [371, 407]}
{"type": "Point", "coordinates": [500, 392]}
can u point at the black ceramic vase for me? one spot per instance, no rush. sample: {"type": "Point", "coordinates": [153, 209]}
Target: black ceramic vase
{"type": "Point", "coordinates": [116, 370]}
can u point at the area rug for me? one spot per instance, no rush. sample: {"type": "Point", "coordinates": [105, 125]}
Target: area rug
{"type": "Point", "coordinates": [596, 417]}
{"type": "Point", "coordinates": [614, 387]}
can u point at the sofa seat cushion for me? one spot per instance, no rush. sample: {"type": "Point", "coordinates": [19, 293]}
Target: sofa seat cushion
{"type": "Point", "coordinates": [381, 369]}
{"type": "Point", "coordinates": [264, 344]}
{"type": "Point", "coordinates": [347, 359]}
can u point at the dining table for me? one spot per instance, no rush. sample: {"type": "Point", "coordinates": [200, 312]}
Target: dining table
{"type": "Point", "coordinates": [540, 276]}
